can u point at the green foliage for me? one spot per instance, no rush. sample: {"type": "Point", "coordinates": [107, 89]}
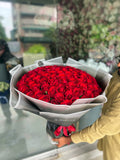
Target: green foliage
{"type": "Point", "coordinates": [100, 34]}
{"type": "Point", "coordinates": [37, 48]}
{"type": "Point", "coordinates": [85, 25]}
{"type": "Point", "coordinates": [51, 33]}
{"type": "Point", "coordinates": [2, 32]}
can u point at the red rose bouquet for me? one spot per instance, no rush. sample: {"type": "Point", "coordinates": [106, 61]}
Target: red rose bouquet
{"type": "Point", "coordinates": [61, 93]}
{"type": "Point", "coordinates": [58, 84]}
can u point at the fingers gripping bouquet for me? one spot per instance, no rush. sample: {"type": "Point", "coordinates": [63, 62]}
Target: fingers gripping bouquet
{"type": "Point", "coordinates": [59, 92]}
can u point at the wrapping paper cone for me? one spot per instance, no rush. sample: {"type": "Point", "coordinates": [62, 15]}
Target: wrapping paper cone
{"type": "Point", "coordinates": [59, 114]}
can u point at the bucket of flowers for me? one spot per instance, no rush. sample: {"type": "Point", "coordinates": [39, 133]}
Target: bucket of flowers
{"type": "Point", "coordinates": [59, 92]}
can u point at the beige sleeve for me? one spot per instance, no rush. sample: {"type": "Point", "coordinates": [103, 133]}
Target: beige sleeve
{"type": "Point", "coordinates": [107, 124]}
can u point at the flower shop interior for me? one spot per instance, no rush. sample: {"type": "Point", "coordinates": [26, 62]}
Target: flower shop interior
{"type": "Point", "coordinates": [84, 32]}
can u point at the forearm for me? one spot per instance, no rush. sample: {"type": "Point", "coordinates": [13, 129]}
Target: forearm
{"type": "Point", "coordinates": [105, 125]}
{"type": "Point", "coordinates": [88, 135]}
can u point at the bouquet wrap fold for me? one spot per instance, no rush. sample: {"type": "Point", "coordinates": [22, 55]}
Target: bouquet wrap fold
{"type": "Point", "coordinates": [64, 115]}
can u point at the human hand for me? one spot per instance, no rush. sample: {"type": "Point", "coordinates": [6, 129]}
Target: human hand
{"type": "Point", "coordinates": [62, 141]}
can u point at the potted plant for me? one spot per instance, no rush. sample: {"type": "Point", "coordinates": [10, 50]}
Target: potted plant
{"type": "Point", "coordinates": [35, 52]}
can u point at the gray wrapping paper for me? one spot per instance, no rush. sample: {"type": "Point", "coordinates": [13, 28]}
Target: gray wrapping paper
{"type": "Point", "coordinates": [60, 114]}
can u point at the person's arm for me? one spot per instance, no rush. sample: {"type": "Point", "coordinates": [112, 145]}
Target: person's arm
{"type": "Point", "coordinates": [11, 63]}
{"type": "Point", "coordinates": [107, 124]}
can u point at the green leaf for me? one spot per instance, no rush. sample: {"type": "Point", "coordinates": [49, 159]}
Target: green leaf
{"type": "Point", "coordinates": [80, 96]}
{"type": "Point", "coordinates": [46, 92]}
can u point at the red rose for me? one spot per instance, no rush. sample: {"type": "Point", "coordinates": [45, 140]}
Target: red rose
{"type": "Point", "coordinates": [77, 91]}
{"type": "Point", "coordinates": [52, 91]}
{"type": "Point", "coordinates": [88, 94]}
{"type": "Point", "coordinates": [37, 79]}
{"type": "Point", "coordinates": [54, 82]}
{"type": "Point", "coordinates": [59, 97]}
{"type": "Point", "coordinates": [67, 102]}
{"type": "Point", "coordinates": [45, 98]}
{"type": "Point", "coordinates": [68, 94]}
{"type": "Point", "coordinates": [38, 94]}
{"type": "Point", "coordinates": [24, 89]}
{"type": "Point", "coordinates": [53, 101]}
{"type": "Point", "coordinates": [60, 88]}
{"type": "Point", "coordinates": [44, 86]}
{"type": "Point", "coordinates": [83, 86]}
{"type": "Point", "coordinates": [30, 93]}
{"type": "Point", "coordinates": [31, 83]}
{"type": "Point", "coordinates": [71, 84]}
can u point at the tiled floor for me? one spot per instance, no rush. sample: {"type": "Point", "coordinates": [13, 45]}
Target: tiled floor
{"type": "Point", "coordinates": [82, 151]}
{"type": "Point", "coordinates": [23, 134]}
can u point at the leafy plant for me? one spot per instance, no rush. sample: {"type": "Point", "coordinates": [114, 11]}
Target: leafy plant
{"type": "Point", "coordinates": [51, 33]}
{"type": "Point", "coordinates": [100, 34]}
{"type": "Point", "coordinates": [90, 23]}
{"type": "Point", "coordinates": [37, 48]}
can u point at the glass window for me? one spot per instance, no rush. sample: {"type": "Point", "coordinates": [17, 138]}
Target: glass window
{"type": "Point", "coordinates": [85, 30]}
{"type": "Point", "coordinates": [26, 29]}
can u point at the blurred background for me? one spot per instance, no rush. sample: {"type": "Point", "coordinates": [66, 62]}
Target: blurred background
{"type": "Point", "coordinates": [85, 30]}
{"type": "Point", "coordinates": [79, 29]}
